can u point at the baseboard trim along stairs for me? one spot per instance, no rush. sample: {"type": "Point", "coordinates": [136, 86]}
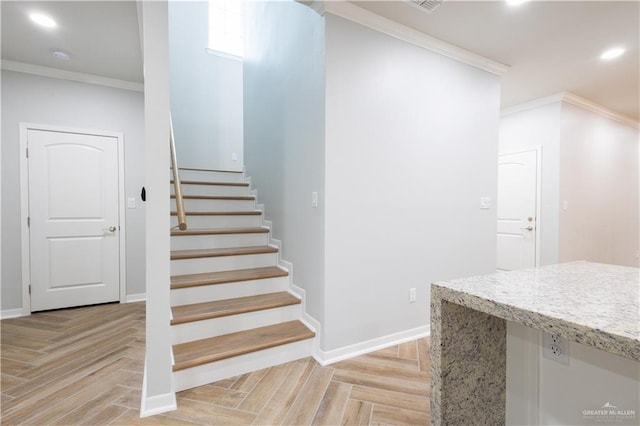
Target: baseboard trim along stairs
{"type": "Point", "coordinates": [232, 311]}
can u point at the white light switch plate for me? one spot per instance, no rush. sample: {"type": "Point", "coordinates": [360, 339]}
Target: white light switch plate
{"type": "Point", "coordinates": [131, 202]}
{"type": "Point", "coordinates": [485, 202]}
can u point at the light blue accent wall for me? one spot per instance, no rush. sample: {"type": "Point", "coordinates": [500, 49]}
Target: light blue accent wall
{"type": "Point", "coordinates": [206, 93]}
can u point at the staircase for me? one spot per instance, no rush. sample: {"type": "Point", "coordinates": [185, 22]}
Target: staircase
{"type": "Point", "coordinates": [231, 312]}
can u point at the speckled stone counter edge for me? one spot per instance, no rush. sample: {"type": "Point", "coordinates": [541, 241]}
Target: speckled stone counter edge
{"type": "Point", "coordinates": [468, 365]}
{"type": "Point", "coordinates": [608, 342]}
{"type": "Point", "coordinates": [460, 319]}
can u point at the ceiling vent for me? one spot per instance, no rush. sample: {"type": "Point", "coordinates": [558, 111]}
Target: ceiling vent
{"type": "Point", "coordinates": [427, 5]}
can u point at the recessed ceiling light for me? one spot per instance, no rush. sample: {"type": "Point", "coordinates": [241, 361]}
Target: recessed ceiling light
{"type": "Point", "coordinates": [612, 53]}
{"type": "Point", "coordinates": [42, 20]}
{"type": "Point", "coordinates": [516, 2]}
{"type": "Point", "coordinates": [59, 54]}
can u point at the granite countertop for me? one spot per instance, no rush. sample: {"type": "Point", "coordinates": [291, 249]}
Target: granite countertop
{"type": "Point", "coordinates": [590, 303]}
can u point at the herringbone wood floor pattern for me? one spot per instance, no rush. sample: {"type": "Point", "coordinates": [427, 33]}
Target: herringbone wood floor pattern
{"type": "Point", "coordinates": [84, 366]}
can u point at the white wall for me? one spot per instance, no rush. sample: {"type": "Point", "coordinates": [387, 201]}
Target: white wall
{"type": "Point", "coordinates": [43, 100]}
{"type": "Point", "coordinates": [206, 93]}
{"type": "Point", "coordinates": [411, 146]}
{"type": "Point", "coordinates": [157, 387]}
{"type": "Point", "coordinates": [598, 188]}
{"type": "Point", "coordinates": [540, 127]}
{"type": "Point", "coordinates": [284, 132]}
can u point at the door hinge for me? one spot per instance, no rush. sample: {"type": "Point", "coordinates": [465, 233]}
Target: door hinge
{"type": "Point", "coordinates": [28, 221]}
{"type": "Point", "coordinates": [29, 288]}
{"type": "Point", "coordinates": [27, 152]}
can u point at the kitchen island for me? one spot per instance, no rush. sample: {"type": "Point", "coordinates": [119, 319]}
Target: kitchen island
{"type": "Point", "coordinates": [593, 304]}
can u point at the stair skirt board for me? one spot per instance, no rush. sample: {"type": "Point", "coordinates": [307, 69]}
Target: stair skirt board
{"type": "Point", "coordinates": [223, 190]}
{"type": "Point", "coordinates": [210, 176]}
{"type": "Point", "coordinates": [220, 221]}
{"type": "Point", "coordinates": [197, 330]}
{"type": "Point", "coordinates": [189, 242]}
{"type": "Point", "coordinates": [230, 367]}
{"type": "Point", "coordinates": [224, 263]}
{"type": "Point", "coordinates": [208, 205]}
{"type": "Point", "coordinates": [209, 293]}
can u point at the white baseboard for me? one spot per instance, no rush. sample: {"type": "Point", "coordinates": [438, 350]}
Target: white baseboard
{"type": "Point", "coordinates": [310, 322]}
{"type": "Point", "coordinates": [351, 351]}
{"type": "Point", "coordinates": [11, 313]}
{"type": "Point", "coordinates": [152, 405]}
{"type": "Point", "coordinates": [140, 297]}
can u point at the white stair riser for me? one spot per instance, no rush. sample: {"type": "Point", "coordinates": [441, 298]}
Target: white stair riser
{"type": "Point", "coordinates": [196, 205]}
{"type": "Point", "coordinates": [223, 369]}
{"type": "Point", "coordinates": [184, 242]}
{"type": "Point", "coordinates": [209, 293]}
{"type": "Point", "coordinates": [223, 263]}
{"type": "Point", "coordinates": [206, 176]}
{"type": "Point", "coordinates": [223, 221]}
{"type": "Point", "coordinates": [219, 190]}
{"type": "Point", "coordinates": [196, 330]}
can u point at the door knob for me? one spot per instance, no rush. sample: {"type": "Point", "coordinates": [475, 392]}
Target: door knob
{"type": "Point", "coordinates": [112, 229]}
{"type": "Point", "coordinates": [528, 228]}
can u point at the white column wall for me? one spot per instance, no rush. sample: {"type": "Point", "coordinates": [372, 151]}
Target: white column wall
{"type": "Point", "coordinates": [157, 392]}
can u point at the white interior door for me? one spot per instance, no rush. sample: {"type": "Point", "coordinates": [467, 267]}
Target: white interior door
{"type": "Point", "coordinates": [73, 211]}
{"type": "Point", "coordinates": [517, 195]}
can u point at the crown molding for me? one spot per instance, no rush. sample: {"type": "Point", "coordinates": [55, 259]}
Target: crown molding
{"type": "Point", "coordinates": [575, 100]}
{"type": "Point", "coordinates": [374, 21]}
{"type": "Point", "coordinates": [315, 5]}
{"type": "Point", "coordinates": [583, 103]}
{"type": "Point", "coordinates": [532, 104]}
{"type": "Point", "coordinates": [71, 75]}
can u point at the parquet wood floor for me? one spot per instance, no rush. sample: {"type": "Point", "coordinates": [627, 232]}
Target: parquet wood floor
{"type": "Point", "coordinates": [84, 366]}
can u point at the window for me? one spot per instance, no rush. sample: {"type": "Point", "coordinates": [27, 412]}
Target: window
{"type": "Point", "coordinates": [225, 27]}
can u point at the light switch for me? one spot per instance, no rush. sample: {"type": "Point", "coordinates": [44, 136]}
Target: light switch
{"type": "Point", "coordinates": [234, 156]}
{"type": "Point", "coordinates": [485, 202]}
{"type": "Point", "coordinates": [131, 202]}
{"type": "Point", "coordinates": [314, 199]}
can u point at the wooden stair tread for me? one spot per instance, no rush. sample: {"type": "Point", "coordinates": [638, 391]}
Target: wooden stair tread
{"type": "Point", "coordinates": [219, 231]}
{"type": "Point", "coordinates": [236, 213]}
{"type": "Point", "coordinates": [239, 305]}
{"type": "Point", "coordinates": [212, 278]}
{"type": "Point", "coordinates": [204, 351]}
{"type": "Point", "coordinates": [219, 252]}
{"type": "Point", "coordinates": [207, 170]}
{"type": "Point", "coordinates": [199, 182]}
{"type": "Point", "coordinates": [217, 197]}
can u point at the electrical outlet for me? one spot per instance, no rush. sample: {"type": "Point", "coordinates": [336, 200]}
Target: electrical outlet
{"type": "Point", "coordinates": [555, 348]}
{"type": "Point", "coordinates": [412, 295]}
{"type": "Point", "coordinates": [314, 199]}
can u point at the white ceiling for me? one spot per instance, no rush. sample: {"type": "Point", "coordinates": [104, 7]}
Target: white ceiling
{"type": "Point", "coordinates": [551, 46]}
{"type": "Point", "coordinates": [101, 37]}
